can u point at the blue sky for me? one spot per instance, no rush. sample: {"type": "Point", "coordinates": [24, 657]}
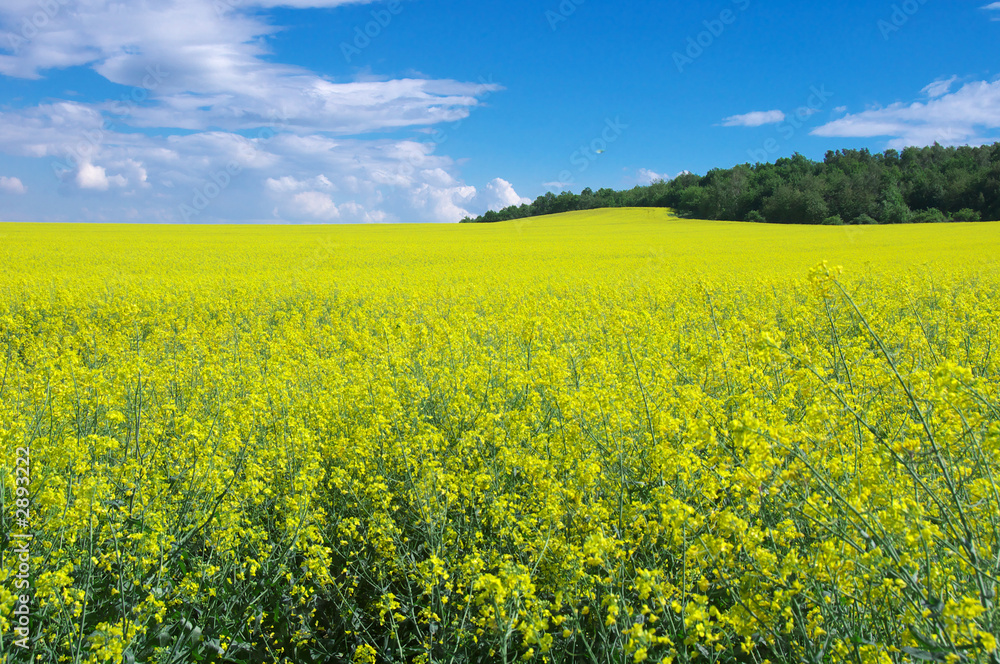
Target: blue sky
{"type": "Point", "coordinates": [307, 111]}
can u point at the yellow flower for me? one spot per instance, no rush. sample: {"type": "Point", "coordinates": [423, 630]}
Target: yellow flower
{"type": "Point", "coordinates": [364, 654]}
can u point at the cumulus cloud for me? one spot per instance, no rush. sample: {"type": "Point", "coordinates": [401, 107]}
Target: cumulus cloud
{"type": "Point", "coordinates": [499, 194]}
{"type": "Point", "coordinates": [754, 119]}
{"type": "Point", "coordinates": [316, 204]}
{"type": "Point", "coordinates": [227, 131]}
{"type": "Point", "coordinates": [383, 179]}
{"type": "Point", "coordinates": [12, 185]}
{"type": "Point", "coordinates": [443, 203]}
{"type": "Point", "coordinates": [966, 116]}
{"type": "Point", "coordinates": [359, 214]}
{"type": "Point", "coordinates": [89, 176]}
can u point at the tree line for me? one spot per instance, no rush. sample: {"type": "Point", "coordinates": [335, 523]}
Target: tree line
{"type": "Point", "coordinates": [917, 185]}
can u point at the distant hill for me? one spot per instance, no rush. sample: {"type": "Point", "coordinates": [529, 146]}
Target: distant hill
{"type": "Point", "coordinates": [917, 185]}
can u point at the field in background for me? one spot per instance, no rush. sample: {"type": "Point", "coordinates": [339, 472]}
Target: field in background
{"type": "Point", "coordinates": [602, 436]}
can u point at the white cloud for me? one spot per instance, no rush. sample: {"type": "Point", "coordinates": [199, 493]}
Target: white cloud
{"type": "Point", "coordinates": [315, 204]}
{"type": "Point", "coordinates": [993, 6]}
{"type": "Point", "coordinates": [499, 194]}
{"type": "Point", "coordinates": [754, 119]}
{"type": "Point", "coordinates": [437, 177]}
{"type": "Point", "coordinates": [287, 184]}
{"type": "Point", "coordinates": [646, 176]}
{"type": "Point", "coordinates": [939, 87]}
{"type": "Point", "coordinates": [139, 174]}
{"type": "Point", "coordinates": [443, 204]}
{"type": "Point", "coordinates": [12, 185]}
{"type": "Point", "coordinates": [302, 141]}
{"type": "Point", "coordinates": [89, 176]}
{"type": "Point", "coordinates": [373, 180]}
{"type": "Point", "coordinates": [964, 116]}
{"type": "Point", "coordinates": [194, 67]}
{"type": "Point", "coordinates": [359, 214]}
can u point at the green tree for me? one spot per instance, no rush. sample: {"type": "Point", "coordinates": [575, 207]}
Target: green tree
{"type": "Point", "coordinates": [927, 184]}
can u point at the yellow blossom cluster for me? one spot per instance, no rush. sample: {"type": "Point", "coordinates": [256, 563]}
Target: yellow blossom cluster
{"type": "Point", "coordinates": [607, 436]}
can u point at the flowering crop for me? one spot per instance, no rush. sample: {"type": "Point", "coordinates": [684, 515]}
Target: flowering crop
{"type": "Point", "coordinates": [604, 437]}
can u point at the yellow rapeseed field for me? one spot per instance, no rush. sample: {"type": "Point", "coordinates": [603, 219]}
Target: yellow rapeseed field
{"type": "Point", "coordinates": [610, 436]}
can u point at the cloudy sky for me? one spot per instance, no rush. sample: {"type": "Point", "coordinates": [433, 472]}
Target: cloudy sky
{"type": "Point", "coordinates": [306, 111]}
